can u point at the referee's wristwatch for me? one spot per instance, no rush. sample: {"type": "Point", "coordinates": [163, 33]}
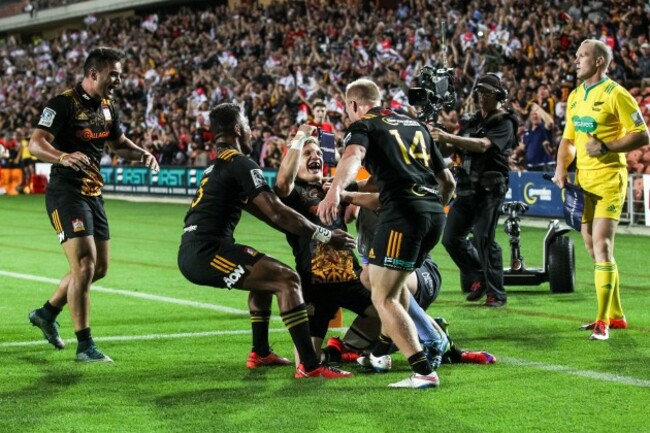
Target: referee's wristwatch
{"type": "Point", "coordinates": [603, 148]}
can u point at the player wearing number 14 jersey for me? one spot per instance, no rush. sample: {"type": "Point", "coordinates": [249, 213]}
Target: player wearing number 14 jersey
{"type": "Point", "coordinates": [413, 186]}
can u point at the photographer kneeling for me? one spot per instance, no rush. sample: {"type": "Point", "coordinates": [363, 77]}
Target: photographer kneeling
{"type": "Point", "coordinates": [485, 141]}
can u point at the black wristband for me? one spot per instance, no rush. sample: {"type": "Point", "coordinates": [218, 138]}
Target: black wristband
{"type": "Point", "coordinates": [603, 148]}
{"type": "Point", "coordinates": [353, 187]}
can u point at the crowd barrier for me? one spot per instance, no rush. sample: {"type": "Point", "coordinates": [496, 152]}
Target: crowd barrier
{"type": "Point", "coordinates": [542, 196]}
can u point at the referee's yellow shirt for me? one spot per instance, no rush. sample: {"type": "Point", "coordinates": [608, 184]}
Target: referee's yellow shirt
{"type": "Point", "coordinates": [604, 109]}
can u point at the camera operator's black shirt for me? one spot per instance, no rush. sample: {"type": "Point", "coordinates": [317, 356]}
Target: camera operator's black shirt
{"type": "Point", "coordinates": [319, 263]}
{"type": "Point", "coordinates": [401, 156]}
{"type": "Point", "coordinates": [499, 128]}
{"type": "Point", "coordinates": [226, 186]}
{"type": "Point", "coordinates": [84, 124]}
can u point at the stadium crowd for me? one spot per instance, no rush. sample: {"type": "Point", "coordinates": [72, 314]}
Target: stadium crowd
{"type": "Point", "coordinates": [276, 62]}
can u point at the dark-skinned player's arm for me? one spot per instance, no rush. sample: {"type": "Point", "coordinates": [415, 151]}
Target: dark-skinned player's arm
{"type": "Point", "coordinates": [274, 211]}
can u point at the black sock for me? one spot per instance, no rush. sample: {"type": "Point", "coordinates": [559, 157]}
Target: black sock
{"type": "Point", "coordinates": [84, 339]}
{"type": "Point", "coordinates": [50, 312]}
{"type": "Point", "coordinates": [260, 328]}
{"type": "Point", "coordinates": [297, 323]}
{"type": "Point", "coordinates": [382, 346]}
{"type": "Point", "coordinates": [331, 354]}
{"type": "Point", "coordinates": [420, 364]}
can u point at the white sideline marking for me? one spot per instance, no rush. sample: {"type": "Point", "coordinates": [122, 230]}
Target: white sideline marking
{"type": "Point", "coordinates": [150, 337]}
{"type": "Point", "coordinates": [141, 295]}
{"type": "Point", "coordinates": [606, 377]}
{"type": "Point", "coordinates": [140, 337]}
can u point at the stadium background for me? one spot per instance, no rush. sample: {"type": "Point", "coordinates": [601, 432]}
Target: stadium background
{"type": "Point", "coordinates": [276, 58]}
{"type": "Point", "coordinates": [179, 354]}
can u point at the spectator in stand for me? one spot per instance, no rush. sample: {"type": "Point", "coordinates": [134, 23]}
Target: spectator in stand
{"type": "Point", "coordinates": [542, 99]}
{"type": "Point", "coordinates": [539, 152]}
{"type": "Point", "coordinates": [321, 60]}
{"type": "Point", "coordinates": [319, 119]}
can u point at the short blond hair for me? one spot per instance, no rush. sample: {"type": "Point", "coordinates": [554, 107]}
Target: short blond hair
{"type": "Point", "coordinates": [601, 49]}
{"type": "Point", "coordinates": [364, 91]}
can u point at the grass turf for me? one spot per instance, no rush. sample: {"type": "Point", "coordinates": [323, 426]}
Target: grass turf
{"type": "Point", "coordinates": [180, 367]}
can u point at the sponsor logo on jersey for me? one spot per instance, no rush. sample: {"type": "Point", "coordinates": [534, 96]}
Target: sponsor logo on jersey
{"type": "Point", "coordinates": [258, 177]}
{"type": "Point", "coordinates": [82, 116]}
{"type": "Point", "coordinates": [78, 225]}
{"type": "Point", "coordinates": [637, 118]}
{"type": "Point", "coordinates": [47, 117]}
{"type": "Point", "coordinates": [584, 124]}
{"type": "Point", "coordinates": [395, 121]}
{"type": "Point", "coordinates": [87, 135]}
{"type": "Point", "coordinates": [189, 229]}
{"type": "Point", "coordinates": [250, 251]}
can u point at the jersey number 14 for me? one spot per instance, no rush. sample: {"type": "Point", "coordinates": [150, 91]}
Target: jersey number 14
{"type": "Point", "coordinates": [416, 151]}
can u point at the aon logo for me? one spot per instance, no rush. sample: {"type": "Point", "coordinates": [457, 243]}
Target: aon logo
{"type": "Point", "coordinates": [234, 276]}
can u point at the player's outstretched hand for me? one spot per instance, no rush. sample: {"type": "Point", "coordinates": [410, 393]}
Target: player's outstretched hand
{"type": "Point", "coordinates": [150, 162]}
{"type": "Point", "coordinates": [342, 240]}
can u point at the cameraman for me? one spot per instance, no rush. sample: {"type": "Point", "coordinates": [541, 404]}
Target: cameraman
{"type": "Point", "coordinates": [484, 143]}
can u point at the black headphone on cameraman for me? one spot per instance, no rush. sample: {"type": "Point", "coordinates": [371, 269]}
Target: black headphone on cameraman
{"type": "Point", "coordinates": [502, 92]}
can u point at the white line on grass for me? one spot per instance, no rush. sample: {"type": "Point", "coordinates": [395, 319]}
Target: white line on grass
{"type": "Point", "coordinates": [141, 337]}
{"type": "Point", "coordinates": [606, 377]}
{"type": "Point", "coordinates": [595, 375]}
{"type": "Point", "coordinates": [141, 295]}
{"type": "Point", "coordinates": [616, 378]}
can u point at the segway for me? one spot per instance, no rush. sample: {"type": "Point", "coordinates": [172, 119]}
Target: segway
{"type": "Point", "coordinates": [558, 256]}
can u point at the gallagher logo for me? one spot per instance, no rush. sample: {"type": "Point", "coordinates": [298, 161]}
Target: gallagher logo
{"type": "Point", "coordinates": [87, 134]}
{"type": "Point", "coordinates": [584, 124]}
{"type": "Point", "coordinates": [531, 194]}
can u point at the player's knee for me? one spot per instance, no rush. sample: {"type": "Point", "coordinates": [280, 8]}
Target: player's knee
{"type": "Point", "coordinates": [379, 299]}
{"type": "Point", "coordinates": [289, 282]}
{"type": "Point", "coordinates": [100, 272]}
{"type": "Point", "coordinates": [84, 272]}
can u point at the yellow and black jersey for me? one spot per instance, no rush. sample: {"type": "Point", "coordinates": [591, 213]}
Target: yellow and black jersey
{"type": "Point", "coordinates": [319, 263]}
{"type": "Point", "coordinates": [400, 154]}
{"type": "Point", "coordinates": [80, 123]}
{"type": "Point", "coordinates": [226, 186]}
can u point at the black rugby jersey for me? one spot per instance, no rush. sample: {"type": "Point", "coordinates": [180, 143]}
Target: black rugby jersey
{"type": "Point", "coordinates": [80, 123]}
{"type": "Point", "coordinates": [226, 186]}
{"type": "Point", "coordinates": [319, 263]}
{"type": "Point", "coordinates": [400, 154]}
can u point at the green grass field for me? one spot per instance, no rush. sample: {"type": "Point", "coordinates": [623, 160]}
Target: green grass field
{"type": "Point", "coordinates": [180, 349]}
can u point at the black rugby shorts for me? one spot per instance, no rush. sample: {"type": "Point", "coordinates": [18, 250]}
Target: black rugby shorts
{"type": "Point", "coordinates": [403, 243]}
{"type": "Point", "coordinates": [217, 263]}
{"type": "Point", "coordinates": [74, 215]}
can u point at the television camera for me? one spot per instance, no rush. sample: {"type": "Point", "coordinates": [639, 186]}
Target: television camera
{"type": "Point", "coordinates": [436, 92]}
